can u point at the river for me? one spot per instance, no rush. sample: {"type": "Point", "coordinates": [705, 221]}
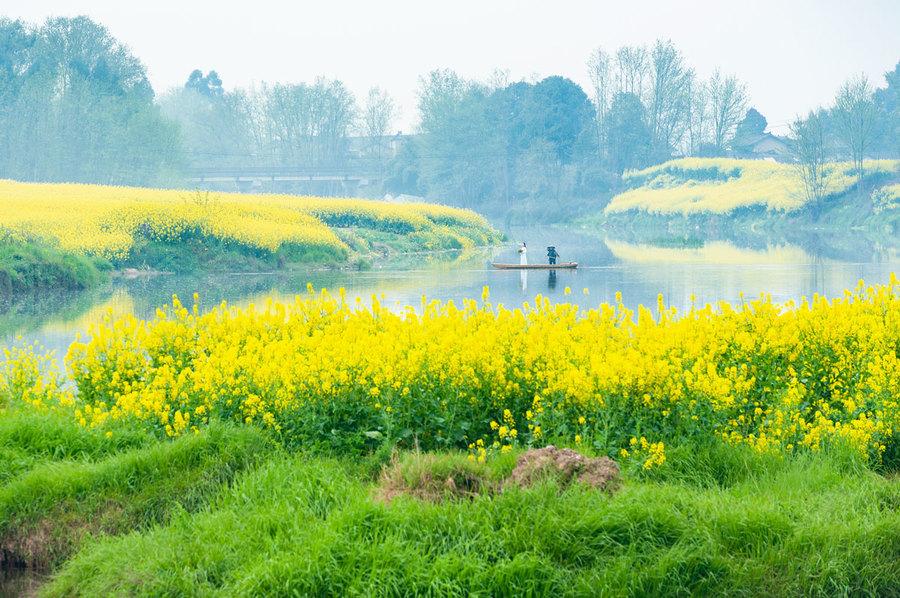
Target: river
{"type": "Point", "coordinates": [709, 270]}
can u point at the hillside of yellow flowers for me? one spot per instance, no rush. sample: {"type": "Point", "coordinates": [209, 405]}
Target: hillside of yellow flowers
{"type": "Point", "coordinates": [141, 227]}
{"type": "Point", "coordinates": [322, 370]}
{"type": "Point", "coordinates": [722, 185]}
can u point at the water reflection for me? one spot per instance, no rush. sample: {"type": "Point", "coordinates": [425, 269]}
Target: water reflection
{"type": "Point", "coordinates": [641, 269]}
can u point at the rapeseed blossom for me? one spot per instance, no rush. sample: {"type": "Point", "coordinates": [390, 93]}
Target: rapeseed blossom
{"type": "Point", "coordinates": [721, 185]}
{"type": "Point", "coordinates": [775, 377]}
{"type": "Point", "coordinates": [104, 221]}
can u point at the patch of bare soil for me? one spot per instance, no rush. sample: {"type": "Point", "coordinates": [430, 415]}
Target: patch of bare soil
{"type": "Point", "coordinates": [461, 481]}
{"type": "Point", "coordinates": [566, 467]}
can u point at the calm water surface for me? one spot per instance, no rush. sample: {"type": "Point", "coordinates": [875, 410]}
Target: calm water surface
{"type": "Point", "coordinates": [678, 268]}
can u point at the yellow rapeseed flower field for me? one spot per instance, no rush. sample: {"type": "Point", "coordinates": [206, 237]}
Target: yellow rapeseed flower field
{"type": "Point", "coordinates": [104, 221]}
{"type": "Point", "coordinates": [324, 370]}
{"type": "Point", "coordinates": [721, 185]}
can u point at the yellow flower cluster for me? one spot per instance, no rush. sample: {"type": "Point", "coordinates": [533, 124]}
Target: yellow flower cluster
{"type": "Point", "coordinates": [32, 379]}
{"type": "Point", "coordinates": [325, 370]}
{"type": "Point", "coordinates": [104, 221]}
{"type": "Point", "coordinates": [653, 454]}
{"type": "Point", "coordinates": [721, 185]}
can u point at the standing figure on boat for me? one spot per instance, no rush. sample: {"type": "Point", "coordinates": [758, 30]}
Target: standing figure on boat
{"type": "Point", "coordinates": [523, 255]}
{"type": "Point", "coordinates": [552, 254]}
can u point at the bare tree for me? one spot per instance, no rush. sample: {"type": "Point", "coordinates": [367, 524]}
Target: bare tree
{"type": "Point", "coordinates": [601, 82]}
{"type": "Point", "coordinates": [668, 99]}
{"type": "Point", "coordinates": [631, 67]}
{"type": "Point", "coordinates": [699, 117]}
{"type": "Point", "coordinates": [854, 109]}
{"type": "Point", "coordinates": [808, 140]}
{"type": "Point", "coordinates": [377, 116]}
{"type": "Point", "coordinates": [728, 100]}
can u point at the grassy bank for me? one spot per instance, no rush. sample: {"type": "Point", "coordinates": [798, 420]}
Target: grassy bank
{"type": "Point", "coordinates": [61, 484]}
{"type": "Point", "coordinates": [28, 265]}
{"type": "Point", "coordinates": [731, 197]}
{"type": "Point", "coordinates": [188, 231]}
{"type": "Point", "coordinates": [225, 513]}
{"type": "Point", "coordinates": [816, 526]}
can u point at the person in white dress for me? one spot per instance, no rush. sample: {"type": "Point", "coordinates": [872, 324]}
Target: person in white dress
{"type": "Point", "coordinates": [523, 255]}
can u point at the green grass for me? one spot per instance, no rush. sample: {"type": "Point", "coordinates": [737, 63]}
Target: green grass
{"type": "Point", "coordinates": [202, 253]}
{"type": "Point", "coordinates": [31, 439]}
{"type": "Point", "coordinates": [722, 521]}
{"type": "Point", "coordinates": [29, 265]}
{"type": "Point", "coordinates": [63, 484]}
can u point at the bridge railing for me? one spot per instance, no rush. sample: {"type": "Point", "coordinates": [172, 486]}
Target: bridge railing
{"type": "Point", "coordinates": [352, 171]}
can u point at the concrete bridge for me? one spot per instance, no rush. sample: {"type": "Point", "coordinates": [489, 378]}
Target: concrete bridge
{"type": "Point", "coordinates": [341, 180]}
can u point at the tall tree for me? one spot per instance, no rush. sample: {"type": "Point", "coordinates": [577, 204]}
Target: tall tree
{"type": "Point", "coordinates": [668, 103]}
{"type": "Point", "coordinates": [887, 102]}
{"type": "Point", "coordinates": [808, 141]}
{"type": "Point", "coordinates": [728, 101]}
{"type": "Point", "coordinates": [854, 110]}
{"type": "Point", "coordinates": [307, 125]}
{"type": "Point", "coordinates": [77, 106]}
{"type": "Point", "coordinates": [699, 118]}
{"type": "Point", "coordinates": [631, 68]}
{"type": "Point", "coordinates": [752, 124]}
{"type": "Point", "coordinates": [600, 74]}
{"type": "Point", "coordinates": [376, 119]}
{"type": "Point", "coordinates": [216, 126]}
{"type": "Point", "coordinates": [629, 136]}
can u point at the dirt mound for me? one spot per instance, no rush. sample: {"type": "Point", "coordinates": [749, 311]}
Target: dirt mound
{"type": "Point", "coordinates": [565, 466]}
{"type": "Point", "coordinates": [429, 479]}
{"type": "Point", "coordinates": [436, 478]}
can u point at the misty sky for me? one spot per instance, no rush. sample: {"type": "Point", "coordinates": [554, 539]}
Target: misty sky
{"type": "Point", "coordinates": [792, 54]}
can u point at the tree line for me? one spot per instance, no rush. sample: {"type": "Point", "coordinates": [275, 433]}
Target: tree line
{"type": "Point", "coordinates": [76, 105]}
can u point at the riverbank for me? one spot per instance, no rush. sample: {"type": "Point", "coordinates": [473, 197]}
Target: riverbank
{"type": "Point", "coordinates": [189, 232]}
{"type": "Point", "coordinates": [29, 265]}
{"type": "Point", "coordinates": [724, 198]}
{"type": "Point", "coordinates": [225, 511]}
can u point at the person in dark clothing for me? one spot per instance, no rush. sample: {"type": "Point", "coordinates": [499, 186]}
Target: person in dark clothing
{"type": "Point", "coordinates": [552, 254]}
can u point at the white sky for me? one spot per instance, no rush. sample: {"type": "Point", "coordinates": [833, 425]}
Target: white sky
{"type": "Point", "coordinates": [793, 54]}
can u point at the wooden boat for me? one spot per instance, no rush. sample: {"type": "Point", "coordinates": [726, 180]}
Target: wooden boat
{"type": "Point", "coordinates": [561, 265]}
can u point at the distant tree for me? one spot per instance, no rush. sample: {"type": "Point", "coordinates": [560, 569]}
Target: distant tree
{"type": "Point", "coordinates": [629, 136]}
{"type": "Point", "coordinates": [808, 142]}
{"type": "Point", "coordinates": [217, 128]}
{"type": "Point", "coordinates": [461, 155]}
{"type": "Point", "coordinates": [631, 68]}
{"type": "Point", "coordinates": [209, 85]}
{"type": "Point", "coordinates": [558, 111]}
{"type": "Point", "coordinates": [753, 124]}
{"type": "Point", "coordinates": [307, 124]}
{"type": "Point", "coordinates": [699, 118]}
{"type": "Point", "coordinates": [668, 102]}
{"type": "Point", "coordinates": [854, 110]}
{"type": "Point", "coordinates": [377, 115]}
{"type": "Point", "coordinates": [600, 74]}
{"type": "Point", "coordinates": [482, 143]}
{"type": "Point", "coordinates": [76, 105]}
{"type": "Point", "coordinates": [887, 102]}
{"type": "Point", "coordinates": [728, 101]}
